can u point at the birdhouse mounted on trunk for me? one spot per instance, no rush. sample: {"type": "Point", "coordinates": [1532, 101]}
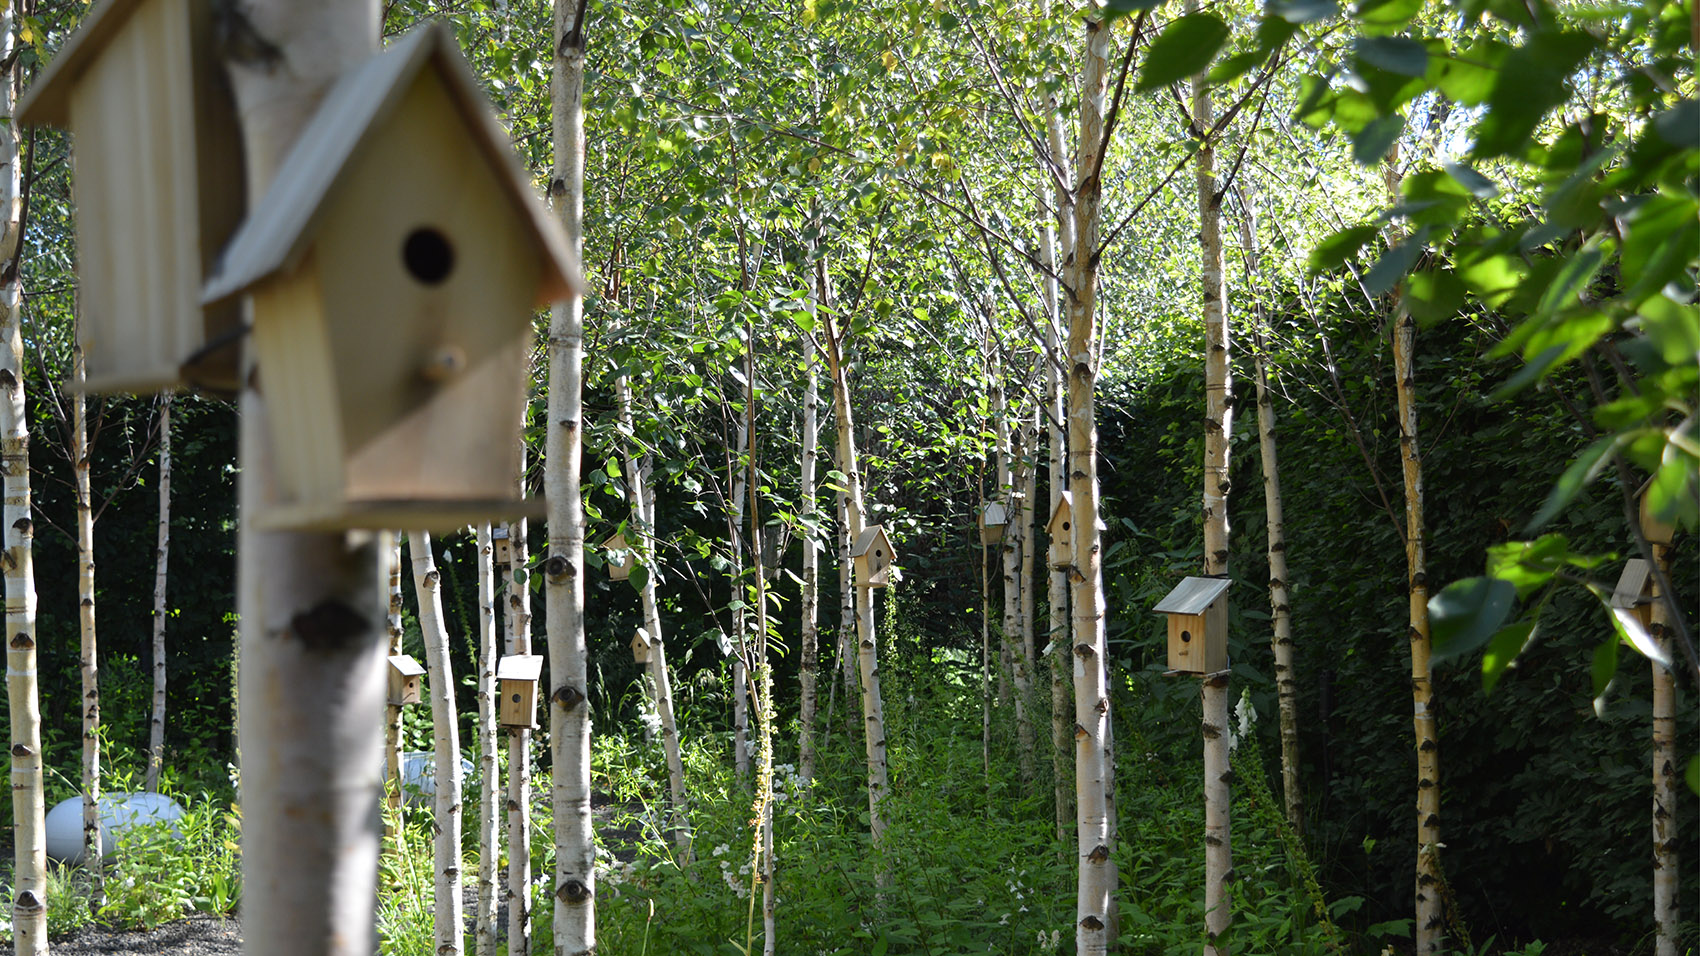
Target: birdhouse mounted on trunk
{"type": "Point", "coordinates": [159, 185]}
{"type": "Point", "coordinates": [501, 547]}
{"type": "Point", "coordinates": [1198, 625]}
{"type": "Point", "coordinates": [394, 265]}
{"type": "Point", "coordinates": [1061, 531]}
{"type": "Point", "coordinates": [643, 649]}
{"type": "Point", "coordinates": [404, 680]}
{"type": "Point", "coordinates": [1634, 591]}
{"type": "Point", "coordinates": [993, 519]}
{"type": "Point", "coordinates": [517, 676]}
{"type": "Point", "coordinates": [619, 556]}
{"type": "Point", "coordinates": [873, 556]}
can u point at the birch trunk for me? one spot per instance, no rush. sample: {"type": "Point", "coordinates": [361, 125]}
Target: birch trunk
{"type": "Point", "coordinates": [1286, 679]}
{"type": "Point", "coordinates": [809, 667]}
{"type": "Point", "coordinates": [986, 669]}
{"type": "Point", "coordinates": [489, 840]}
{"type": "Point", "coordinates": [312, 674]}
{"type": "Point", "coordinates": [1667, 875]}
{"type": "Point", "coordinates": [1056, 579]}
{"type": "Point", "coordinates": [740, 619]}
{"type": "Point", "coordinates": [392, 712]}
{"type": "Point", "coordinates": [1028, 480]}
{"type": "Point", "coordinates": [1010, 480]}
{"type": "Point", "coordinates": [569, 708]}
{"type": "Point", "coordinates": [29, 885]}
{"type": "Point", "coordinates": [162, 555]}
{"type": "Point", "coordinates": [764, 672]}
{"type": "Point", "coordinates": [445, 727]}
{"type": "Point", "coordinates": [516, 639]}
{"type": "Point", "coordinates": [1429, 929]}
{"type": "Point", "coordinates": [93, 850]}
{"type": "Point", "coordinates": [1218, 429]}
{"type": "Point", "coordinates": [1094, 834]}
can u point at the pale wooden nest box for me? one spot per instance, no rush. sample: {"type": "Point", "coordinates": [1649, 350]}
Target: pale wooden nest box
{"type": "Point", "coordinates": [873, 556]}
{"type": "Point", "coordinates": [1198, 625]}
{"type": "Point", "coordinates": [619, 556]}
{"type": "Point", "coordinates": [1634, 591]}
{"type": "Point", "coordinates": [159, 185]}
{"type": "Point", "coordinates": [404, 680]}
{"type": "Point", "coordinates": [501, 546]}
{"type": "Point", "coordinates": [394, 265]}
{"type": "Point", "coordinates": [994, 518]}
{"type": "Point", "coordinates": [1060, 529]}
{"type": "Point", "coordinates": [643, 649]}
{"type": "Point", "coordinates": [517, 676]}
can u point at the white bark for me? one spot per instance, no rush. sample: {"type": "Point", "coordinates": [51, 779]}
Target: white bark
{"type": "Point", "coordinates": [92, 842]}
{"type": "Point", "coordinates": [740, 617]}
{"type": "Point", "coordinates": [1667, 875]}
{"type": "Point", "coordinates": [162, 555]}
{"type": "Point", "coordinates": [1011, 476]}
{"type": "Point", "coordinates": [569, 708]}
{"type": "Point", "coordinates": [445, 735]}
{"type": "Point", "coordinates": [1056, 580]}
{"type": "Point", "coordinates": [312, 675]}
{"type": "Point", "coordinates": [516, 639]}
{"type": "Point", "coordinates": [809, 667]}
{"type": "Point", "coordinates": [391, 545]}
{"type": "Point", "coordinates": [489, 784]}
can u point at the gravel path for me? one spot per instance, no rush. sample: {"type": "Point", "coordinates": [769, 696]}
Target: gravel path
{"type": "Point", "coordinates": [195, 936]}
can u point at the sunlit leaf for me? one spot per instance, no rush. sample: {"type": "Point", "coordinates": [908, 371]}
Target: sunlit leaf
{"type": "Point", "coordinates": [1186, 46]}
{"type": "Point", "coordinates": [1466, 614]}
{"type": "Point", "coordinates": [1502, 652]}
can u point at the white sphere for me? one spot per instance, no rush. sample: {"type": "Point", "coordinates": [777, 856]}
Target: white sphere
{"type": "Point", "coordinates": [119, 812]}
{"type": "Point", "coordinates": [419, 776]}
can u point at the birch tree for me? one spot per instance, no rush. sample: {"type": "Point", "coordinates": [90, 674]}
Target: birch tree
{"type": "Point", "coordinates": [740, 616]}
{"type": "Point", "coordinates": [445, 726]}
{"type": "Point", "coordinates": [1056, 580]}
{"type": "Point", "coordinates": [489, 782]}
{"type": "Point", "coordinates": [809, 439]}
{"type": "Point", "coordinates": [1010, 452]}
{"type": "Point", "coordinates": [392, 711]}
{"type": "Point", "coordinates": [162, 560]}
{"type": "Point", "coordinates": [92, 836]}
{"type": "Point", "coordinates": [516, 639]}
{"type": "Point", "coordinates": [1667, 875]}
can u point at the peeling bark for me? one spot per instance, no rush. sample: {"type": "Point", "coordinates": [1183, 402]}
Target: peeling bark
{"type": "Point", "coordinates": [391, 546]}
{"type": "Point", "coordinates": [92, 841]}
{"type": "Point", "coordinates": [516, 639]}
{"type": "Point", "coordinates": [809, 668]}
{"type": "Point", "coordinates": [445, 724]}
{"type": "Point", "coordinates": [162, 555]}
{"type": "Point", "coordinates": [1667, 874]}
{"type": "Point", "coordinates": [489, 839]}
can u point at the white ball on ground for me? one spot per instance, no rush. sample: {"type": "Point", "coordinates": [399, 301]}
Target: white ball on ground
{"type": "Point", "coordinates": [119, 813]}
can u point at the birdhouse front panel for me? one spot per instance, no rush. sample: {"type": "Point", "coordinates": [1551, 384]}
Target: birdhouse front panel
{"type": "Point", "coordinates": [1198, 642]}
{"type": "Point", "coordinates": [404, 674]}
{"type": "Point", "coordinates": [517, 678]}
{"type": "Point", "coordinates": [873, 557]}
{"type": "Point", "coordinates": [1060, 529]}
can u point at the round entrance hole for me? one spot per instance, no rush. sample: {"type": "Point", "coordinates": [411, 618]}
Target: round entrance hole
{"type": "Point", "coordinates": [1186, 637]}
{"type": "Point", "coordinates": [427, 255]}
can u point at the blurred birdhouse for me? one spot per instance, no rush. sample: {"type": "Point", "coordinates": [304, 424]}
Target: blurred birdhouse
{"type": "Point", "coordinates": [404, 680]}
{"type": "Point", "coordinates": [993, 519]}
{"type": "Point", "coordinates": [1634, 591]}
{"type": "Point", "coordinates": [873, 556]}
{"type": "Point", "coordinates": [517, 676]}
{"type": "Point", "coordinates": [1061, 531]}
{"type": "Point", "coordinates": [501, 546]}
{"type": "Point", "coordinates": [394, 265]}
{"type": "Point", "coordinates": [1655, 530]}
{"type": "Point", "coordinates": [1198, 625]}
{"type": "Point", "coordinates": [619, 556]}
{"type": "Point", "coordinates": [643, 649]}
{"type": "Point", "coordinates": [159, 185]}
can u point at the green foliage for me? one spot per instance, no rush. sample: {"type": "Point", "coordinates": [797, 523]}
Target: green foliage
{"type": "Point", "coordinates": [161, 871]}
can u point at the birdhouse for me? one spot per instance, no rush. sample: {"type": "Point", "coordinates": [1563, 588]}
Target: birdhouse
{"type": "Point", "coordinates": [619, 556]}
{"type": "Point", "coordinates": [404, 680]}
{"type": "Point", "coordinates": [1655, 530]}
{"type": "Point", "coordinates": [1061, 531]}
{"type": "Point", "coordinates": [516, 678]}
{"type": "Point", "coordinates": [993, 519]}
{"type": "Point", "coordinates": [394, 265]}
{"type": "Point", "coordinates": [1634, 591]}
{"type": "Point", "coordinates": [1198, 625]}
{"type": "Point", "coordinates": [643, 649]}
{"type": "Point", "coordinates": [873, 556]}
{"type": "Point", "coordinates": [159, 185]}
{"type": "Point", "coordinates": [501, 546]}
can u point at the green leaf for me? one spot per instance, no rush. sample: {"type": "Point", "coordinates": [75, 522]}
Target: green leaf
{"type": "Point", "coordinates": [1531, 81]}
{"type": "Point", "coordinates": [1401, 55]}
{"type": "Point", "coordinates": [1394, 263]}
{"type": "Point", "coordinates": [1629, 628]}
{"type": "Point", "coordinates": [1503, 650]}
{"type": "Point", "coordinates": [1121, 8]}
{"type": "Point", "coordinates": [1679, 125]}
{"type": "Point", "coordinates": [1332, 253]}
{"type": "Point", "coordinates": [1376, 138]}
{"type": "Point", "coordinates": [1529, 565]}
{"type": "Point", "coordinates": [1671, 496]}
{"type": "Point", "coordinates": [1673, 328]}
{"type": "Point", "coordinates": [1479, 186]}
{"type": "Point", "coordinates": [1386, 16]}
{"type": "Point", "coordinates": [1185, 47]}
{"type": "Point", "coordinates": [639, 577]}
{"type": "Point", "coordinates": [1466, 614]}
{"type": "Point", "coordinates": [1580, 473]}
{"type": "Point", "coordinates": [1693, 774]}
{"type": "Point", "coordinates": [1303, 11]}
{"type": "Point", "coordinates": [1433, 295]}
{"type": "Point", "coordinates": [1604, 669]}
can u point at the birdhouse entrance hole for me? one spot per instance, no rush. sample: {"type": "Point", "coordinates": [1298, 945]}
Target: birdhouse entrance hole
{"type": "Point", "coordinates": [428, 255]}
{"type": "Point", "coordinates": [1186, 637]}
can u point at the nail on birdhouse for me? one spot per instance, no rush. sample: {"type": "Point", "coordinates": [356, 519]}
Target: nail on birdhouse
{"type": "Point", "coordinates": [619, 556]}
{"type": "Point", "coordinates": [394, 265]}
{"type": "Point", "coordinates": [404, 680]}
{"type": "Point", "coordinates": [517, 676]}
{"type": "Point", "coordinates": [1198, 625]}
{"type": "Point", "coordinates": [643, 649]}
{"type": "Point", "coordinates": [993, 519]}
{"type": "Point", "coordinates": [1061, 531]}
{"type": "Point", "coordinates": [873, 556]}
{"type": "Point", "coordinates": [157, 168]}
{"type": "Point", "coordinates": [501, 545]}
{"type": "Point", "coordinates": [1634, 591]}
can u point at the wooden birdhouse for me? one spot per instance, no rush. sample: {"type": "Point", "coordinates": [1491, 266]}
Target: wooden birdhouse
{"type": "Point", "coordinates": [500, 545]}
{"type": "Point", "coordinates": [619, 556]}
{"type": "Point", "coordinates": [159, 184]}
{"type": "Point", "coordinates": [404, 680]}
{"type": "Point", "coordinates": [994, 518]}
{"type": "Point", "coordinates": [1656, 531]}
{"type": "Point", "coordinates": [394, 265]}
{"type": "Point", "coordinates": [517, 676]}
{"type": "Point", "coordinates": [1198, 625]}
{"type": "Point", "coordinates": [643, 649]}
{"type": "Point", "coordinates": [873, 556]}
{"type": "Point", "coordinates": [1634, 591]}
{"type": "Point", "coordinates": [1061, 531]}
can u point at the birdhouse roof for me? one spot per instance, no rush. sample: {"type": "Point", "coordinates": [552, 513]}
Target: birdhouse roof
{"type": "Point", "coordinates": [406, 666]}
{"type": "Point", "coordinates": [640, 638]}
{"type": "Point", "coordinates": [1192, 596]}
{"type": "Point", "coordinates": [520, 667]}
{"type": "Point", "coordinates": [866, 539]}
{"type": "Point", "coordinates": [47, 102]}
{"type": "Point", "coordinates": [994, 513]}
{"type": "Point", "coordinates": [499, 532]}
{"type": "Point", "coordinates": [1065, 505]}
{"type": "Point", "coordinates": [1631, 584]}
{"type": "Point", "coordinates": [280, 229]}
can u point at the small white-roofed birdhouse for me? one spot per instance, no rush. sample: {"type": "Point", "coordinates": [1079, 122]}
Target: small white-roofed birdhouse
{"type": "Point", "coordinates": [643, 649]}
{"type": "Point", "coordinates": [158, 181]}
{"type": "Point", "coordinates": [993, 519]}
{"type": "Point", "coordinates": [517, 676]}
{"type": "Point", "coordinates": [1061, 531]}
{"type": "Point", "coordinates": [1634, 591]}
{"type": "Point", "coordinates": [1198, 625]}
{"type": "Point", "coordinates": [873, 555]}
{"type": "Point", "coordinates": [501, 547]}
{"type": "Point", "coordinates": [619, 556]}
{"type": "Point", "coordinates": [394, 265]}
{"type": "Point", "coordinates": [404, 680]}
